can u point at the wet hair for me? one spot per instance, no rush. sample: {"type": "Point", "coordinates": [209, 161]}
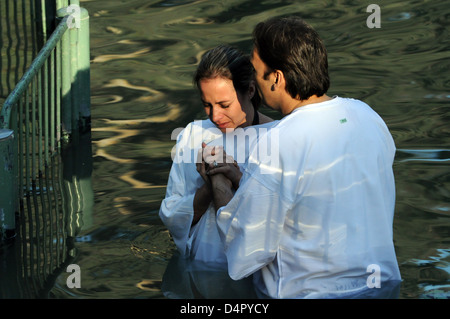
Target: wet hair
{"type": "Point", "coordinates": [295, 48]}
{"type": "Point", "coordinates": [229, 63]}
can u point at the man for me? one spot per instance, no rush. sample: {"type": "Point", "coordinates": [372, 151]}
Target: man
{"type": "Point", "coordinates": [317, 221]}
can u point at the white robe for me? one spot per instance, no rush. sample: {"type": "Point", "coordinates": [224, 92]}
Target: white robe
{"type": "Point", "coordinates": [316, 222]}
{"type": "Point", "coordinates": [200, 242]}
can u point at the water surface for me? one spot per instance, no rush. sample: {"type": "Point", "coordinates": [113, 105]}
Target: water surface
{"type": "Point", "coordinates": [143, 57]}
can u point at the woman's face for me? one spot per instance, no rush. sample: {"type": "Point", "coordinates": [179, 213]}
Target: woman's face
{"type": "Point", "coordinates": [225, 107]}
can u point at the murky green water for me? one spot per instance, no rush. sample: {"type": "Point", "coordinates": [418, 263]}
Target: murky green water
{"type": "Point", "coordinates": [143, 57]}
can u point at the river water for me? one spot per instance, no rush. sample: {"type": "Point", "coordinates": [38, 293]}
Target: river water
{"type": "Point", "coordinates": [143, 55]}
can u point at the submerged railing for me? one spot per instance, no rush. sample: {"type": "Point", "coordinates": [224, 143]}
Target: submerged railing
{"type": "Point", "coordinates": [41, 121]}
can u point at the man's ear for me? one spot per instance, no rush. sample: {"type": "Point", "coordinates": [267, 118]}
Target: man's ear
{"type": "Point", "coordinates": [279, 77]}
{"type": "Point", "coordinates": [278, 80]}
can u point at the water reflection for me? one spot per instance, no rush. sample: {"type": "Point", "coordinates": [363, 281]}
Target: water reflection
{"type": "Point", "coordinates": [77, 195]}
{"type": "Point", "coordinates": [48, 223]}
{"type": "Point", "coordinates": [404, 155]}
{"type": "Point", "coordinates": [189, 279]}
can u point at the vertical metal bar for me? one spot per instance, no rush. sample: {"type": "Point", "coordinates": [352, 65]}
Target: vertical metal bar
{"type": "Point", "coordinates": [41, 157]}
{"type": "Point", "coordinates": [54, 208]}
{"type": "Point", "coordinates": [33, 193]}
{"type": "Point", "coordinates": [33, 128]}
{"type": "Point", "coordinates": [40, 117]}
{"type": "Point", "coordinates": [25, 37]}
{"type": "Point", "coordinates": [27, 181]}
{"type": "Point", "coordinates": [20, 147]}
{"type": "Point", "coordinates": [23, 251]}
{"type": "Point", "coordinates": [83, 74]}
{"type": "Point", "coordinates": [73, 79]}
{"type": "Point", "coordinates": [30, 238]}
{"type": "Point", "coordinates": [52, 102]}
{"type": "Point", "coordinates": [1, 47]}
{"type": "Point", "coordinates": [18, 42]}
{"type": "Point", "coordinates": [58, 91]}
{"type": "Point", "coordinates": [60, 213]}
{"type": "Point", "coordinates": [44, 21]}
{"type": "Point", "coordinates": [27, 142]}
{"type": "Point", "coordinates": [55, 212]}
{"type": "Point", "coordinates": [7, 182]}
{"type": "Point", "coordinates": [66, 105]}
{"type": "Point", "coordinates": [46, 114]}
{"type": "Point", "coordinates": [61, 4]}
{"type": "Point", "coordinates": [45, 211]}
{"type": "Point", "coordinates": [15, 127]}
{"type": "Point", "coordinates": [37, 234]}
{"type": "Point", "coordinates": [44, 223]}
{"type": "Point", "coordinates": [33, 29]}
{"type": "Point", "coordinates": [51, 220]}
{"type": "Point", "coordinates": [40, 120]}
{"type": "Point", "coordinates": [8, 49]}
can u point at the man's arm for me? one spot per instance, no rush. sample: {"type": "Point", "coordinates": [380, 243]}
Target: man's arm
{"type": "Point", "coordinates": [250, 227]}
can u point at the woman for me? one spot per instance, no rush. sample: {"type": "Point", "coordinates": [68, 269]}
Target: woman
{"type": "Point", "coordinates": [227, 89]}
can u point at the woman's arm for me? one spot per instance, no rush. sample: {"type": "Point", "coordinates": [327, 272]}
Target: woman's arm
{"type": "Point", "coordinates": [202, 200]}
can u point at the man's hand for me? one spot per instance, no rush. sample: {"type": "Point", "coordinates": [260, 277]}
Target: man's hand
{"type": "Point", "coordinates": [221, 189]}
{"type": "Point", "coordinates": [231, 171]}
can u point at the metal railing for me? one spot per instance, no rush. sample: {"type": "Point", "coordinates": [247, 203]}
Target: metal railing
{"type": "Point", "coordinates": [45, 160]}
{"type": "Point", "coordinates": [49, 105]}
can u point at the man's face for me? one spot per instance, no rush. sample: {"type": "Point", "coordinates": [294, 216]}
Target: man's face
{"type": "Point", "coordinates": [264, 83]}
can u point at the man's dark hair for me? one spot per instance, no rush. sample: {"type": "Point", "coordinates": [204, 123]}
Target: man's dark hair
{"type": "Point", "coordinates": [295, 48]}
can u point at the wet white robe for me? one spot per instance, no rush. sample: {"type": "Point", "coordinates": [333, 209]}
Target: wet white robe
{"type": "Point", "coordinates": [200, 242]}
{"type": "Point", "coordinates": [316, 222]}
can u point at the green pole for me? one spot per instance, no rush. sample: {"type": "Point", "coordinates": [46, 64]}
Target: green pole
{"type": "Point", "coordinates": [7, 183]}
{"type": "Point", "coordinates": [66, 92]}
{"type": "Point", "coordinates": [73, 33]}
{"type": "Point", "coordinates": [76, 70]}
{"type": "Point", "coordinates": [61, 3]}
{"type": "Point", "coordinates": [83, 75]}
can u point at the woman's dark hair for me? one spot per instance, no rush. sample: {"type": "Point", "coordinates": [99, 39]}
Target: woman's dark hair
{"type": "Point", "coordinates": [229, 63]}
{"type": "Point", "coordinates": [295, 48]}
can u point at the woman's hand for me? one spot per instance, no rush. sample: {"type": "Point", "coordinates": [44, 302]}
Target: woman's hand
{"type": "Point", "coordinates": [219, 162]}
{"type": "Point", "coordinates": [202, 168]}
{"type": "Point", "coordinates": [203, 195]}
